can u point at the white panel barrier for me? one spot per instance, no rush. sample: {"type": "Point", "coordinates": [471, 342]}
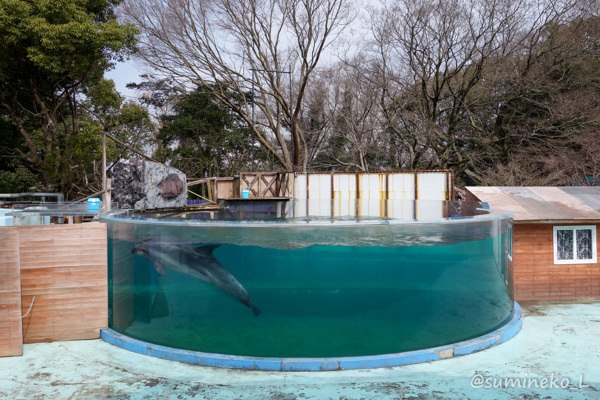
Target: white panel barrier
{"type": "Point", "coordinates": [300, 184]}
{"type": "Point", "coordinates": [319, 195]}
{"type": "Point", "coordinates": [344, 195]}
{"type": "Point", "coordinates": [371, 190]}
{"type": "Point", "coordinates": [386, 194]}
{"type": "Point", "coordinates": [431, 186]}
{"type": "Point", "coordinates": [401, 188]}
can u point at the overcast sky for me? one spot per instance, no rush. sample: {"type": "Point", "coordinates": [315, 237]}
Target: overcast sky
{"type": "Point", "coordinates": [123, 74]}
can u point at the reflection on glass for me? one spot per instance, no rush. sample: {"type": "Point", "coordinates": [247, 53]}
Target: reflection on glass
{"type": "Point", "coordinates": [584, 244]}
{"type": "Point", "coordinates": [322, 289]}
{"type": "Point", "coordinates": [564, 243]}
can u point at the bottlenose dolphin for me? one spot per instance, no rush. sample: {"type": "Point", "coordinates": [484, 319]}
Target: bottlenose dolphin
{"type": "Point", "coordinates": [196, 261]}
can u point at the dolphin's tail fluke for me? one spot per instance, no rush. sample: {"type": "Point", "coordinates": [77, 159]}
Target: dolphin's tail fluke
{"type": "Point", "coordinates": [254, 309]}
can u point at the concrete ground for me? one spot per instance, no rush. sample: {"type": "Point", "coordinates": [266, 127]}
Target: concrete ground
{"type": "Point", "coordinates": [555, 356]}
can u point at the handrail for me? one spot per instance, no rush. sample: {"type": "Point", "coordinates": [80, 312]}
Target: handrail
{"type": "Point", "coordinates": [60, 198]}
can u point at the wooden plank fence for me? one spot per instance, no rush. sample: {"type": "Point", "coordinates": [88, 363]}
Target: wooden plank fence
{"type": "Point", "coordinates": [11, 333]}
{"type": "Point", "coordinates": [63, 280]}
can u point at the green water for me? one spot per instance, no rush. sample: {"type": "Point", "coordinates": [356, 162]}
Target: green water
{"type": "Point", "coordinates": [318, 301]}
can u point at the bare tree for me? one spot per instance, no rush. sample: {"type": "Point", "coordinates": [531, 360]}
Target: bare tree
{"type": "Point", "coordinates": [432, 57]}
{"type": "Point", "coordinates": [445, 67]}
{"type": "Point", "coordinates": [356, 141]}
{"type": "Point", "coordinates": [265, 50]}
{"type": "Point", "coordinates": [341, 122]}
{"type": "Point", "coordinates": [316, 118]}
{"type": "Point", "coordinates": [549, 118]}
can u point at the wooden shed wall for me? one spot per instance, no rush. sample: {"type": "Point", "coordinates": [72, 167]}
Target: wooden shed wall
{"type": "Point", "coordinates": [537, 278]}
{"type": "Point", "coordinates": [11, 333]}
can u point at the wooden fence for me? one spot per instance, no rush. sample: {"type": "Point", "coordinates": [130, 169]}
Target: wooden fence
{"type": "Point", "coordinates": [260, 185]}
{"type": "Point", "coordinates": [267, 185]}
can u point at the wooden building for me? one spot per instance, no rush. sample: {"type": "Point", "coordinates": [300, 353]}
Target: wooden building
{"type": "Point", "coordinates": [555, 239]}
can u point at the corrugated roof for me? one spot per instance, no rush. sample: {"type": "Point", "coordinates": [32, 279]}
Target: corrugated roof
{"type": "Point", "coordinates": [570, 203]}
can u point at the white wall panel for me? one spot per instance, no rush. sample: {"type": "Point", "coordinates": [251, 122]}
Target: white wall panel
{"type": "Point", "coordinates": [401, 194]}
{"type": "Point", "coordinates": [344, 195]}
{"type": "Point", "coordinates": [300, 195]}
{"type": "Point", "coordinates": [431, 186]}
{"type": "Point", "coordinates": [429, 209]}
{"type": "Point", "coordinates": [372, 189]}
{"type": "Point", "coordinates": [319, 195]}
{"type": "Point", "coordinates": [338, 195]}
{"type": "Point", "coordinates": [401, 186]}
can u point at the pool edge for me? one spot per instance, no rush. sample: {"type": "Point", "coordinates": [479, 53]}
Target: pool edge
{"type": "Point", "coordinates": [505, 332]}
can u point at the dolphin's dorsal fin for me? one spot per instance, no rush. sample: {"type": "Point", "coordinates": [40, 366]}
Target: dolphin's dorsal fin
{"type": "Point", "coordinates": [206, 249]}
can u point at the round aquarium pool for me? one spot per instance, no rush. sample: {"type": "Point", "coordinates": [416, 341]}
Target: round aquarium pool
{"type": "Point", "coordinates": [254, 285]}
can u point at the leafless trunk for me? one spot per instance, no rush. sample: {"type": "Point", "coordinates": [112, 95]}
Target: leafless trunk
{"type": "Point", "coordinates": [269, 47]}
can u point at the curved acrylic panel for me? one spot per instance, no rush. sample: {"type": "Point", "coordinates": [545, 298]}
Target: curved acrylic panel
{"type": "Point", "coordinates": [249, 283]}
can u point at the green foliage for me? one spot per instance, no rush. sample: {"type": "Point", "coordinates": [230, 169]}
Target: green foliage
{"type": "Point", "coordinates": [128, 122]}
{"type": "Point", "coordinates": [53, 53]}
{"type": "Point", "coordinates": [103, 110]}
{"type": "Point", "coordinates": [203, 138]}
{"type": "Point", "coordinates": [14, 176]}
{"type": "Point", "coordinates": [18, 181]}
{"type": "Point", "coordinates": [159, 94]}
{"type": "Point", "coordinates": [62, 38]}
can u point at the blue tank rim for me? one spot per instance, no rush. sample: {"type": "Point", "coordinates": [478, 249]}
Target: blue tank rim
{"type": "Point", "coordinates": [508, 330]}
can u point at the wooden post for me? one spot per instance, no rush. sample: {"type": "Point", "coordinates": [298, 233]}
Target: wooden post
{"type": "Point", "coordinates": [106, 197]}
{"type": "Point", "coordinates": [210, 194]}
{"type": "Point", "coordinates": [104, 193]}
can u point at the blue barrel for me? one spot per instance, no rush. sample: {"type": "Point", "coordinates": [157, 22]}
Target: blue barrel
{"type": "Point", "coordinates": [93, 204]}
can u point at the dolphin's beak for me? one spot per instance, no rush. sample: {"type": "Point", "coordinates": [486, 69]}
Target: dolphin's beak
{"type": "Point", "coordinates": [134, 250]}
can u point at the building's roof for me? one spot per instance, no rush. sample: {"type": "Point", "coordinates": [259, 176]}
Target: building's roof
{"type": "Point", "coordinates": [543, 204]}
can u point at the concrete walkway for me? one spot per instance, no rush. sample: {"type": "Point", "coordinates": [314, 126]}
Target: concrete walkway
{"type": "Point", "coordinates": [555, 356]}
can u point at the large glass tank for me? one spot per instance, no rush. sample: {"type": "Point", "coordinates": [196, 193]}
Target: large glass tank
{"type": "Point", "coordinates": [250, 280]}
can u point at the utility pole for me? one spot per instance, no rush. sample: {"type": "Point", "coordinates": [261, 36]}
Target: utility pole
{"type": "Point", "coordinates": [105, 195]}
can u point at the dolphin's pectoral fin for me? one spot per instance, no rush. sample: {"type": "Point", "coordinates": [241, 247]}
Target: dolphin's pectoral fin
{"type": "Point", "coordinates": [159, 268]}
{"type": "Point", "coordinates": [206, 249]}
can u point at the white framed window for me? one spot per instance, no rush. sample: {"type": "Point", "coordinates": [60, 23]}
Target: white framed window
{"type": "Point", "coordinates": [575, 244]}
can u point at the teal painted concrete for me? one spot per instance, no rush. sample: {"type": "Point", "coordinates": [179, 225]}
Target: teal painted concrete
{"type": "Point", "coordinates": [556, 342]}
{"type": "Point", "coordinates": [500, 335]}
